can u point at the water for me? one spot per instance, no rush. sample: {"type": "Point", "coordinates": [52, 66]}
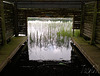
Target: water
{"type": "Point", "coordinates": [49, 40]}
{"type": "Point", "coordinates": [49, 52]}
{"type": "Point", "coordinates": [76, 66]}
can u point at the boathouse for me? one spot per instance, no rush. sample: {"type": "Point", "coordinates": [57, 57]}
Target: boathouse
{"type": "Point", "coordinates": [85, 14]}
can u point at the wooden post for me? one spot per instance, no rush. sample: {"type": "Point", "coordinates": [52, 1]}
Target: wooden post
{"type": "Point", "coordinates": [3, 23]}
{"type": "Point", "coordinates": [15, 19]}
{"type": "Point", "coordinates": [82, 19]}
{"type": "Point", "coordinates": [73, 24]}
{"type": "Point", "coordinates": [26, 21]}
{"type": "Point", "coordinates": [94, 23]}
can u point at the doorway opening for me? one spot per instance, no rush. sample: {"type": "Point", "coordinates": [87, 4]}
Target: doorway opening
{"type": "Point", "coordinates": [49, 38]}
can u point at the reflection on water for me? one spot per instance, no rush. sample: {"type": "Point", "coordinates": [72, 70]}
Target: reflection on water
{"type": "Point", "coordinates": [49, 40]}
{"type": "Point", "coordinates": [52, 45]}
{"type": "Point", "coordinates": [21, 65]}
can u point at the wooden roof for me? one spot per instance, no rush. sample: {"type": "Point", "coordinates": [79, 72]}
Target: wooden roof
{"type": "Point", "coordinates": [49, 3]}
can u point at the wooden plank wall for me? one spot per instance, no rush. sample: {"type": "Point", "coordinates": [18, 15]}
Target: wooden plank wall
{"type": "Point", "coordinates": [77, 20]}
{"type": "Point", "coordinates": [22, 22]}
{"type": "Point", "coordinates": [9, 20]}
{"type": "Point", "coordinates": [97, 35]}
{"type": "Point", "coordinates": [88, 19]}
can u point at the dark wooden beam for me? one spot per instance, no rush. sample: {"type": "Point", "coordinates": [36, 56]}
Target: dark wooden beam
{"type": "Point", "coordinates": [82, 19]}
{"type": "Point", "coordinates": [26, 22]}
{"type": "Point", "coordinates": [49, 4]}
{"type": "Point", "coordinates": [73, 24]}
{"type": "Point", "coordinates": [3, 23]}
{"type": "Point", "coordinates": [94, 23]}
{"type": "Point", "coordinates": [50, 0]}
{"type": "Point", "coordinates": [15, 19]}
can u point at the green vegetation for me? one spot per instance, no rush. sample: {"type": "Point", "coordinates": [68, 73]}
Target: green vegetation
{"type": "Point", "coordinates": [59, 32]}
{"type": "Point", "coordinates": [49, 19]}
{"type": "Point", "coordinates": [64, 34]}
{"type": "Point", "coordinates": [77, 33]}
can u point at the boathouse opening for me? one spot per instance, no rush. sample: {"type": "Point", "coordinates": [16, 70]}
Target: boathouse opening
{"type": "Point", "coordinates": [50, 37]}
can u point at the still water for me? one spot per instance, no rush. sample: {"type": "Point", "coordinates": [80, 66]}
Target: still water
{"type": "Point", "coordinates": [49, 40]}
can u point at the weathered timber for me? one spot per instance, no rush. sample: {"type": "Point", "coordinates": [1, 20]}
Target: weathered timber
{"type": "Point", "coordinates": [97, 30]}
{"type": "Point", "coordinates": [76, 21]}
{"type": "Point", "coordinates": [9, 50]}
{"type": "Point", "coordinates": [88, 19]}
{"type": "Point", "coordinates": [91, 53]}
{"type": "Point", "coordinates": [3, 23]}
{"type": "Point", "coordinates": [9, 19]}
{"type": "Point", "coordinates": [22, 20]}
{"type": "Point", "coordinates": [94, 23]}
{"type": "Point", "coordinates": [87, 35]}
{"type": "Point", "coordinates": [73, 24]}
{"type": "Point", "coordinates": [15, 19]}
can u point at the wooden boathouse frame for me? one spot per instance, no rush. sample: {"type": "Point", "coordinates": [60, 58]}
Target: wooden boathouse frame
{"type": "Point", "coordinates": [13, 21]}
{"type": "Point", "coordinates": [89, 41]}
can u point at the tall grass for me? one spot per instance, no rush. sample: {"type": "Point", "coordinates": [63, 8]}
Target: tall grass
{"type": "Point", "coordinates": [76, 33]}
{"type": "Point", "coordinates": [56, 32]}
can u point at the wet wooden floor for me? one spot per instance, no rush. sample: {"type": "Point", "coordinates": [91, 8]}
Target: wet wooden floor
{"type": "Point", "coordinates": [9, 50]}
{"type": "Point", "coordinates": [92, 53]}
